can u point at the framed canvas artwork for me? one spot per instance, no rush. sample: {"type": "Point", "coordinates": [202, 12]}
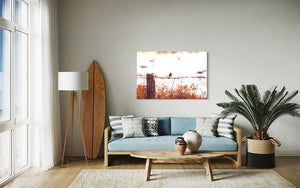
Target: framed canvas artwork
{"type": "Point", "coordinates": [171, 75]}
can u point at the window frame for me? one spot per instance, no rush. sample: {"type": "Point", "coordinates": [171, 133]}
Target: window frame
{"type": "Point", "coordinates": [13, 123]}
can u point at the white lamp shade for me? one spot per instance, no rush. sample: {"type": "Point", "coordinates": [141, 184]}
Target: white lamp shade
{"type": "Point", "coordinates": [73, 81]}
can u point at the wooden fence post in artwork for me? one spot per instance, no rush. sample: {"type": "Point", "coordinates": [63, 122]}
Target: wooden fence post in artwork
{"type": "Point", "coordinates": [150, 86]}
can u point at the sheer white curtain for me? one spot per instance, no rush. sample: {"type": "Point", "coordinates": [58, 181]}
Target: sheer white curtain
{"type": "Point", "coordinates": [45, 132]}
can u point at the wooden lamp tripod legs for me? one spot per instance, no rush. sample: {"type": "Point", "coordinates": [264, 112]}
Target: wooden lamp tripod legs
{"type": "Point", "coordinates": [73, 98]}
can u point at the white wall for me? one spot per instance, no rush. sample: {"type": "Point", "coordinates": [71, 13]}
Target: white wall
{"type": "Point", "coordinates": [255, 42]}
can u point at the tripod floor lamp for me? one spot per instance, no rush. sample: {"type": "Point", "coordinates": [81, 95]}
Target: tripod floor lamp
{"type": "Point", "coordinates": [73, 81]}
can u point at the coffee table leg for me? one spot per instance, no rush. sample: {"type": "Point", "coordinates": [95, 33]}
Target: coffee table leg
{"type": "Point", "coordinates": [207, 169]}
{"type": "Point", "coordinates": [148, 169]}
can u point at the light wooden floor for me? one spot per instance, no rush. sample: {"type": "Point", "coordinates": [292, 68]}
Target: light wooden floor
{"type": "Point", "coordinates": [288, 167]}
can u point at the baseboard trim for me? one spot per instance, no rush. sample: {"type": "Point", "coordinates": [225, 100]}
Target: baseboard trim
{"type": "Point", "coordinates": [287, 152]}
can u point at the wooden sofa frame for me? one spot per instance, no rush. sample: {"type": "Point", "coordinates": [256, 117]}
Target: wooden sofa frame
{"type": "Point", "coordinates": [229, 154]}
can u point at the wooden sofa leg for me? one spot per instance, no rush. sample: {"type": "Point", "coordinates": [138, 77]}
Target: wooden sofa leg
{"type": "Point", "coordinates": [106, 137]}
{"type": "Point", "coordinates": [239, 160]}
{"type": "Point", "coordinates": [106, 160]}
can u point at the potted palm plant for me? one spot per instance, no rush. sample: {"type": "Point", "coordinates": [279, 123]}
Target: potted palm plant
{"type": "Point", "coordinates": [261, 112]}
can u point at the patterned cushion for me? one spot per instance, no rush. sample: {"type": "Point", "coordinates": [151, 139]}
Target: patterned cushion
{"type": "Point", "coordinates": [116, 126]}
{"type": "Point", "coordinates": [151, 126]}
{"type": "Point", "coordinates": [205, 126]}
{"type": "Point", "coordinates": [225, 126]}
{"type": "Point", "coordinates": [132, 127]}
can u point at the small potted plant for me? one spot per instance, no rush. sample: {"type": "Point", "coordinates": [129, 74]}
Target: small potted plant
{"type": "Point", "coordinates": [261, 112]}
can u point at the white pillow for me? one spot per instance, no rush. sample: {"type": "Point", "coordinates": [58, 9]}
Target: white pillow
{"type": "Point", "coordinates": [206, 126]}
{"type": "Point", "coordinates": [132, 127]}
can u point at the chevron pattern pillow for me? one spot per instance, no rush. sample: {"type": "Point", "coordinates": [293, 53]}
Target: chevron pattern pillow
{"type": "Point", "coordinates": [151, 126]}
{"type": "Point", "coordinates": [116, 126]}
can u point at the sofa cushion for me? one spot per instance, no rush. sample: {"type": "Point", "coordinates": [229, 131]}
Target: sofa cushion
{"type": "Point", "coordinates": [164, 126]}
{"type": "Point", "coordinates": [116, 126]}
{"type": "Point", "coordinates": [132, 127]}
{"type": "Point", "coordinates": [151, 126]}
{"type": "Point", "coordinates": [180, 125]}
{"type": "Point", "coordinates": [206, 126]}
{"type": "Point", "coordinates": [167, 142]}
{"type": "Point", "coordinates": [225, 126]}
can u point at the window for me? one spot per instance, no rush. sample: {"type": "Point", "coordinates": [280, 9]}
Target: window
{"type": "Point", "coordinates": [14, 35]}
{"type": "Point", "coordinates": [21, 13]}
{"type": "Point", "coordinates": [5, 155]}
{"type": "Point", "coordinates": [5, 9]}
{"type": "Point", "coordinates": [21, 147]}
{"type": "Point", "coordinates": [21, 54]}
{"type": "Point", "coordinates": [4, 75]}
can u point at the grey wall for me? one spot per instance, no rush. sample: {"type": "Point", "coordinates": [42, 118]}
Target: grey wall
{"type": "Point", "coordinates": [247, 42]}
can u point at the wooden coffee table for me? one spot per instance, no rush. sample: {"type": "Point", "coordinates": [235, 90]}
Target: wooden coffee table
{"type": "Point", "coordinates": [171, 156]}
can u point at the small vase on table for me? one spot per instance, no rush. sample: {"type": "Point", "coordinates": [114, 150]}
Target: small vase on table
{"type": "Point", "coordinates": [180, 145]}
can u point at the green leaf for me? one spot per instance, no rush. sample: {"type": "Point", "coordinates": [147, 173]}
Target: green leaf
{"type": "Point", "coordinates": [261, 112]}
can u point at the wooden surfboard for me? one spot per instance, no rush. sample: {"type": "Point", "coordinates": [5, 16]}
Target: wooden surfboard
{"type": "Point", "coordinates": [93, 111]}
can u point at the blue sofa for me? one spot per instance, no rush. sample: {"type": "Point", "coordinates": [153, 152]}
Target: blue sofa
{"type": "Point", "coordinates": [169, 128]}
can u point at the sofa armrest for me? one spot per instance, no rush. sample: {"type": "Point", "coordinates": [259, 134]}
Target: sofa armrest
{"type": "Point", "coordinates": [106, 139]}
{"type": "Point", "coordinates": [106, 135]}
{"type": "Point", "coordinates": [238, 133]}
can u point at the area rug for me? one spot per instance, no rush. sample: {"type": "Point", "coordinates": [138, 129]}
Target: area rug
{"type": "Point", "coordinates": [164, 178]}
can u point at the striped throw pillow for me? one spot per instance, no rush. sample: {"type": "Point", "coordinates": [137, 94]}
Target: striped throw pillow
{"type": "Point", "coordinates": [225, 126]}
{"type": "Point", "coordinates": [116, 126]}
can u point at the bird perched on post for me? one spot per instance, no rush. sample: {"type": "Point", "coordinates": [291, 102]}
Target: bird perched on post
{"type": "Point", "coordinates": [201, 72]}
{"type": "Point", "coordinates": [170, 75]}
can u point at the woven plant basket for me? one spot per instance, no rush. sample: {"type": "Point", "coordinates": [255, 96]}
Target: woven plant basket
{"type": "Point", "coordinates": [261, 153]}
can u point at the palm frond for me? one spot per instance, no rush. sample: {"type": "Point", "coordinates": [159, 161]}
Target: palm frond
{"type": "Point", "coordinates": [243, 95]}
{"type": "Point", "coordinates": [231, 96]}
{"type": "Point", "coordinates": [266, 96]}
{"type": "Point", "coordinates": [261, 112]}
{"type": "Point", "coordinates": [291, 96]}
{"type": "Point", "coordinates": [287, 108]}
{"type": "Point", "coordinates": [278, 98]}
{"type": "Point", "coordinates": [269, 93]}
